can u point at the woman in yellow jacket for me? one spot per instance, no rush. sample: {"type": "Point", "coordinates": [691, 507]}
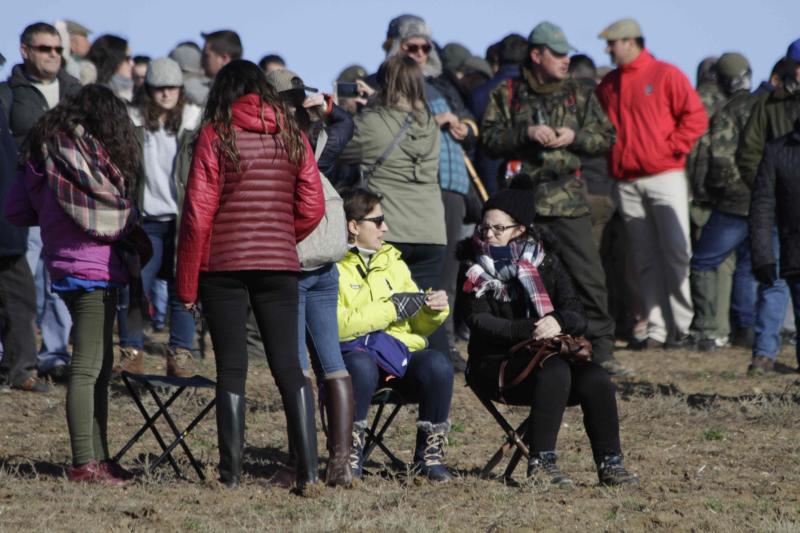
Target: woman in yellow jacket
{"type": "Point", "coordinates": [384, 321]}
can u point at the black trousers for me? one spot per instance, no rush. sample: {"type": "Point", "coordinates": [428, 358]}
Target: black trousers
{"type": "Point", "coordinates": [549, 390]}
{"type": "Point", "coordinates": [225, 297]}
{"type": "Point", "coordinates": [17, 318]}
{"type": "Point", "coordinates": [579, 254]}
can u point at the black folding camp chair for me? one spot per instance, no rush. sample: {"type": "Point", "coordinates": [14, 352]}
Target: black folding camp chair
{"type": "Point", "coordinates": [152, 383]}
{"type": "Point", "coordinates": [374, 433]}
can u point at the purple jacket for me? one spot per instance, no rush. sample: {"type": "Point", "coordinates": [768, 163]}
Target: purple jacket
{"type": "Point", "coordinates": [68, 250]}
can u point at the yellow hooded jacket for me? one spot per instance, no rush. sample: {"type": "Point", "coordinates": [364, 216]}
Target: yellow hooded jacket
{"type": "Point", "coordinates": [364, 304]}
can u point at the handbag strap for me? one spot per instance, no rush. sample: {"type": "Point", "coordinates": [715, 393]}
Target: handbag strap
{"type": "Point", "coordinates": [398, 138]}
{"type": "Point", "coordinates": [322, 140]}
{"type": "Point", "coordinates": [545, 351]}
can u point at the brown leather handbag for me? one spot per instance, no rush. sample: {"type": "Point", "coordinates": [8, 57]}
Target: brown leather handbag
{"type": "Point", "coordinates": [572, 349]}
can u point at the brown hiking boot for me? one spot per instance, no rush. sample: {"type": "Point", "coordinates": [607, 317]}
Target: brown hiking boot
{"type": "Point", "coordinates": [760, 365]}
{"type": "Point", "coordinates": [31, 384]}
{"type": "Point", "coordinates": [180, 363]}
{"type": "Point", "coordinates": [131, 361]}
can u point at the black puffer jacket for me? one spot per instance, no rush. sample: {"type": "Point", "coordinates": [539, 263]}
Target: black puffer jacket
{"type": "Point", "coordinates": [12, 238]}
{"type": "Point", "coordinates": [776, 194]}
{"type": "Point", "coordinates": [496, 326]}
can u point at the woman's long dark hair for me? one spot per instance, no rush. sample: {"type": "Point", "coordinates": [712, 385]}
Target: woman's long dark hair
{"type": "Point", "coordinates": [403, 85]}
{"type": "Point", "coordinates": [236, 79]}
{"type": "Point", "coordinates": [151, 112]}
{"type": "Point", "coordinates": [102, 115]}
{"type": "Point", "coordinates": [107, 53]}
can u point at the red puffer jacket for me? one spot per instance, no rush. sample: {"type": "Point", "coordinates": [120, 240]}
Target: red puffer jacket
{"type": "Point", "coordinates": [657, 114]}
{"type": "Point", "coordinates": [251, 219]}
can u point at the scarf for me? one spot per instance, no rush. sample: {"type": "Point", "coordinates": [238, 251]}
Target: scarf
{"type": "Point", "coordinates": [88, 186]}
{"type": "Point", "coordinates": [487, 274]}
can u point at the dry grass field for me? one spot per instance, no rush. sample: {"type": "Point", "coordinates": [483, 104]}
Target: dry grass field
{"type": "Point", "coordinates": [716, 451]}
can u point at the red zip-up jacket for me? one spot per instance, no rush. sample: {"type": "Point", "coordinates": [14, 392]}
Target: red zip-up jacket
{"type": "Point", "coordinates": [251, 219]}
{"type": "Point", "coordinates": [657, 114]}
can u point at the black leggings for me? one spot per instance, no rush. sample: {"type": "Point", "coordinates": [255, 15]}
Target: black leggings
{"type": "Point", "coordinates": [548, 390]}
{"type": "Point", "coordinates": [225, 297]}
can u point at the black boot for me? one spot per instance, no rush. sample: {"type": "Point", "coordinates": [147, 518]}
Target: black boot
{"type": "Point", "coordinates": [339, 410]}
{"type": "Point", "coordinates": [429, 453]}
{"type": "Point", "coordinates": [299, 408]}
{"type": "Point", "coordinates": [542, 465]}
{"type": "Point", "coordinates": [611, 471]}
{"type": "Point", "coordinates": [230, 436]}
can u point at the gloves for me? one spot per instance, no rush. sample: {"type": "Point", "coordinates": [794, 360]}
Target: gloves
{"type": "Point", "coordinates": [407, 304]}
{"type": "Point", "coordinates": [766, 274]}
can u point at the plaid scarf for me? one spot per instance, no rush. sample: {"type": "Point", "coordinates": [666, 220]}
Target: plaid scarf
{"type": "Point", "coordinates": [88, 185]}
{"type": "Point", "coordinates": [486, 274]}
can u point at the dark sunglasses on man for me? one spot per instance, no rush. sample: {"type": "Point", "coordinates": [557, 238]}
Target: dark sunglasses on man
{"type": "Point", "coordinates": [45, 49]}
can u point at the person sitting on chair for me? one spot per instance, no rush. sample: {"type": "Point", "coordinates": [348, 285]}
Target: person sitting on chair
{"type": "Point", "coordinates": [384, 320]}
{"type": "Point", "coordinates": [517, 290]}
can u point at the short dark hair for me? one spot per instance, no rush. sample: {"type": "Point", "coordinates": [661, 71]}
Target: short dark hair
{"type": "Point", "coordinates": [141, 60]}
{"type": "Point", "coordinates": [191, 44]}
{"type": "Point", "coordinates": [512, 49]}
{"type": "Point", "coordinates": [582, 66]}
{"type": "Point", "coordinates": [358, 202]}
{"type": "Point", "coordinates": [640, 42]}
{"type": "Point", "coordinates": [26, 37]}
{"type": "Point", "coordinates": [493, 54]}
{"type": "Point", "coordinates": [224, 42]}
{"type": "Point", "coordinates": [271, 58]}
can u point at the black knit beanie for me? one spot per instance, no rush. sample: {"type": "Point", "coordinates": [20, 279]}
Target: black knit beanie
{"type": "Point", "coordinates": [519, 200]}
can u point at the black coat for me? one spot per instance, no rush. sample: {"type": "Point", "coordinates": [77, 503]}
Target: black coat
{"type": "Point", "coordinates": [27, 103]}
{"type": "Point", "coordinates": [776, 195]}
{"type": "Point", "coordinates": [495, 326]}
{"type": "Point", "coordinates": [339, 127]}
{"type": "Point", "coordinates": [13, 238]}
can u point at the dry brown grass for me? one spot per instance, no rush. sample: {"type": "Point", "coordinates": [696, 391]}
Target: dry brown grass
{"type": "Point", "coordinates": [726, 465]}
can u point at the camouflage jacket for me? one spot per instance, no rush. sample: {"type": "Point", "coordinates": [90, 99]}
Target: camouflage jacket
{"type": "Point", "coordinates": [697, 161]}
{"type": "Point", "coordinates": [561, 191]}
{"type": "Point", "coordinates": [724, 185]}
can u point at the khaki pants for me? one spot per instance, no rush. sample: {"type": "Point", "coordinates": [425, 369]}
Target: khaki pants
{"type": "Point", "coordinates": [656, 213]}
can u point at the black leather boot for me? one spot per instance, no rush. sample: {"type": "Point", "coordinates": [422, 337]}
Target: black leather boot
{"type": "Point", "coordinates": [339, 410]}
{"type": "Point", "coordinates": [230, 437]}
{"type": "Point", "coordinates": [299, 408]}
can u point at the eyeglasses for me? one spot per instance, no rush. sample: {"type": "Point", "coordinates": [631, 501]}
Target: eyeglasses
{"type": "Point", "coordinates": [414, 48]}
{"type": "Point", "coordinates": [45, 49]}
{"type": "Point", "coordinates": [497, 229]}
{"type": "Point", "coordinates": [377, 220]}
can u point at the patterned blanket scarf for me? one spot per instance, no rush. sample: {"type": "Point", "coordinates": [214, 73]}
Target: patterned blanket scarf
{"type": "Point", "coordinates": [88, 185]}
{"type": "Point", "coordinates": [486, 274]}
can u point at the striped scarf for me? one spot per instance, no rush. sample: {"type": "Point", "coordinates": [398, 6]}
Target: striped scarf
{"type": "Point", "coordinates": [88, 185]}
{"type": "Point", "coordinates": [486, 274]}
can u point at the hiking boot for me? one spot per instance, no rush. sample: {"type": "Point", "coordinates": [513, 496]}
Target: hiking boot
{"type": "Point", "coordinates": [644, 344]}
{"type": "Point", "coordinates": [58, 373]}
{"type": "Point", "coordinates": [742, 337]}
{"type": "Point", "coordinates": [685, 342]}
{"type": "Point", "coordinates": [93, 472]}
{"type": "Point", "coordinates": [31, 384]}
{"type": "Point", "coordinates": [114, 469]}
{"type": "Point", "coordinates": [180, 363]}
{"type": "Point", "coordinates": [131, 360]}
{"type": "Point", "coordinates": [611, 471]}
{"type": "Point", "coordinates": [707, 345]}
{"type": "Point", "coordinates": [543, 466]}
{"type": "Point", "coordinates": [429, 452]}
{"type": "Point", "coordinates": [760, 365]}
{"type": "Point", "coordinates": [615, 368]}
{"type": "Point", "coordinates": [357, 449]}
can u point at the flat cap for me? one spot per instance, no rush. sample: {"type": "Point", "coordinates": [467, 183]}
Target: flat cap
{"type": "Point", "coordinates": [164, 72]}
{"type": "Point", "coordinates": [622, 29]}
{"type": "Point", "coordinates": [74, 28]}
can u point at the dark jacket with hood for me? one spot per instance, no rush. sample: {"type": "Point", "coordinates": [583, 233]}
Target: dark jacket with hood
{"type": "Point", "coordinates": [27, 104]}
{"type": "Point", "coordinates": [496, 326]}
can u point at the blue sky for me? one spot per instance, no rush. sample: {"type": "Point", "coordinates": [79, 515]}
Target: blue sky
{"type": "Point", "coordinates": [318, 38]}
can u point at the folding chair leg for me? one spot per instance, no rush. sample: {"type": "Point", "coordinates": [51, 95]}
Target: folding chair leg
{"type": "Point", "coordinates": [513, 440]}
{"type": "Point", "coordinates": [376, 439]}
{"type": "Point", "coordinates": [512, 464]}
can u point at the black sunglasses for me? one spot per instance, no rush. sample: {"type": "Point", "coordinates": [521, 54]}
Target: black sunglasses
{"type": "Point", "coordinates": [43, 48]}
{"type": "Point", "coordinates": [414, 48]}
{"type": "Point", "coordinates": [377, 220]}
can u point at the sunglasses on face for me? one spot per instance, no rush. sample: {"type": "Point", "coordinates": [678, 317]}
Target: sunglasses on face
{"type": "Point", "coordinates": [44, 49]}
{"type": "Point", "coordinates": [377, 220]}
{"type": "Point", "coordinates": [414, 48]}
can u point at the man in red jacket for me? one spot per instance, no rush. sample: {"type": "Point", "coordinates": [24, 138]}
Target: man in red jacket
{"type": "Point", "coordinates": [658, 117]}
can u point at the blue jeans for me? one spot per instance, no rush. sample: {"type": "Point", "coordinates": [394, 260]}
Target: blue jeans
{"type": "Point", "coordinates": [52, 314]}
{"type": "Point", "coordinates": [182, 327]}
{"type": "Point", "coordinates": [794, 289]}
{"type": "Point", "coordinates": [753, 305]}
{"type": "Point", "coordinates": [318, 292]}
{"type": "Point", "coordinates": [428, 380]}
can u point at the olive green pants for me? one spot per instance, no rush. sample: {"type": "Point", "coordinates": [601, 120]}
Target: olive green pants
{"type": "Point", "coordinates": [717, 286]}
{"type": "Point", "coordinates": [90, 370]}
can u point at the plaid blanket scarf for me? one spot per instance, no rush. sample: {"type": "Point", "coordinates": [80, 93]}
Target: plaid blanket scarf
{"type": "Point", "coordinates": [486, 274]}
{"type": "Point", "coordinates": [88, 185]}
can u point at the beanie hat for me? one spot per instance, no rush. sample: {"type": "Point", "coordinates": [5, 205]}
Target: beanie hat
{"type": "Point", "coordinates": [188, 57]}
{"type": "Point", "coordinates": [164, 72]}
{"type": "Point", "coordinates": [518, 201]}
{"type": "Point", "coordinates": [730, 65]}
{"type": "Point", "coordinates": [793, 52]}
{"type": "Point", "coordinates": [454, 55]}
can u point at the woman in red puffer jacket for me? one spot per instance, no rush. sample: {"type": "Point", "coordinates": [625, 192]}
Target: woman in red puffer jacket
{"type": "Point", "coordinates": [253, 191]}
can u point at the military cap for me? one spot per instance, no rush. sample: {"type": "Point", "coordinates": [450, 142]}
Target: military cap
{"type": "Point", "coordinates": [351, 74]}
{"type": "Point", "coordinates": [74, 28]}
{"type": "Point", "coordinates": [621, 29]}
{"type": "Point", "coordinates": [731, 65]}
{"type": "Point", "coordinates": [286, 80]}
{"type": "Point", "coordinates": [551, 36]}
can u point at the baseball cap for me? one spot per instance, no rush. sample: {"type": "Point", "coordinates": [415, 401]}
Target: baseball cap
{"type": "Point", "coordinates": [286, 80]}
{"type": "Point", "coordinates": [551, 36]}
